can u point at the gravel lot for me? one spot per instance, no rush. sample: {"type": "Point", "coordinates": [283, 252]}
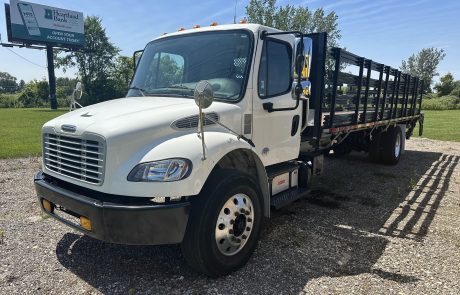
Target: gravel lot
{"type": "Point", "coordinates": [365, 229]}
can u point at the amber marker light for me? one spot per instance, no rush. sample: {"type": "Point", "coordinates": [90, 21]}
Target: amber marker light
{"type": "Point", "coordinates": [48, 206]}
{"type": "Point", "coordinates": [196, 26]}
{"type": "Point", "coordinates": [181, 29]}
{"type": "Point", "coordinates": [243, 21]}
{"type": "Point", "coordinates": [85, 223]}
{"type": "Point", "coordinates": [213, 24]}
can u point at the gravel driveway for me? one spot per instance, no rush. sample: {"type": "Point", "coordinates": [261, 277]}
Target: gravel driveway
{"type": "Point", "coordinates": [365, 229]}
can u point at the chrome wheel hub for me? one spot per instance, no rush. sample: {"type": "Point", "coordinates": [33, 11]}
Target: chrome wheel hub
{"type": "Point", "coordinates": [234, 224]}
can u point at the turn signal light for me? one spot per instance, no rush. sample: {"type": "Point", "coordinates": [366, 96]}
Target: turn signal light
{"type": "Point", "coordinates": [243, 21]}
{"type": "Point", "coordinates": [48, 206]}
{"type": "Point", "coordinates": [213, 24]}
{"type": "Point", "coordinates": [181, 29]}
{"type": "Point", "coordinates": [85, 223]}
{"type": "Point", "coordinates": [196, 26]}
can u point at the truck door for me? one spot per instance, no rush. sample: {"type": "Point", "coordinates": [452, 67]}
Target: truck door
{"type": "Point", "coordinates": [276, 135]}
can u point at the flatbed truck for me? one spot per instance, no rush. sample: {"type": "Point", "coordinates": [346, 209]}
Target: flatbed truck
{"type": "Point", "coordinates": [221, 124]}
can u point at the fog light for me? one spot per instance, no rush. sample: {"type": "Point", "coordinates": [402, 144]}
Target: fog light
{"type": "Point", "coordinates": [85, 223]}
{"type": "Point", "coordinates": [48, 206]}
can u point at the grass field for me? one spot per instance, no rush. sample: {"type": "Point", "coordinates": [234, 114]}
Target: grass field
{"type": "Point", "coordinates": [20, 129]}
{"type": "Point", "coordinates": [441, 125]}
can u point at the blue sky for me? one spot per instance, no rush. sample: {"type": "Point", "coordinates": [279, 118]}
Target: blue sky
{"type": "Point", "coordinates": [385, 31]}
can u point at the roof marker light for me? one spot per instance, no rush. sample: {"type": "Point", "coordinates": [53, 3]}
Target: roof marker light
{"type": "Point", "coordinates": [213, 24]}
{"type": "Point", "coordinates": [243, 21]}
{"type": "Point", "coordinates": [196, 26]}
{"type": "Point", "coordinates": [181, 29]}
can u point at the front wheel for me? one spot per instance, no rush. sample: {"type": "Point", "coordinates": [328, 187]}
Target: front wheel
{"type": "Point", "coordinates": [224, 224]}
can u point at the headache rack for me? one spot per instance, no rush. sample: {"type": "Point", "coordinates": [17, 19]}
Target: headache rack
{"type": "Point", "coordinates": [350, 92]}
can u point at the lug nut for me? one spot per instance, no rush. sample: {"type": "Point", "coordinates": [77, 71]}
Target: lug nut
{"type": "Point", "coordinates": [230, 231]}
{"type": "Point", "coordinates": [247, 212]}
{"type": "Point", "coordinates": [249, 219]}
{"type": "Point", "coordinates": [232, 221]}
{"type": "Point", "coordinates": [248, 228]}
{"type": "Point", "coordinates": [243, 237]}
{"type": "Point", "coordinates": [237, 213]}
{"type": "Point", "coordinates": [242, 211]}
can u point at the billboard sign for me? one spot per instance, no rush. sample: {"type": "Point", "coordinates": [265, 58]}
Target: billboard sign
{"type": "Point", "coordinates": [39, 24]}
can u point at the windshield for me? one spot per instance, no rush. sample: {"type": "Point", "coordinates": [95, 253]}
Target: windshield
{"type": "Point", "coordinates": [172, 66]}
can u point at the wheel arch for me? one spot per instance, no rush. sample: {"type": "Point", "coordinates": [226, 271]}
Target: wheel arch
{"type": "Point", "coordinates": [245, 160]}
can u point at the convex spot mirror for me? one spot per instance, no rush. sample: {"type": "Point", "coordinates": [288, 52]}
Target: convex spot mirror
{"type": "Point", "coordinates": [203, 94]}
{"type": "Point", "coordinates": [78, 92]}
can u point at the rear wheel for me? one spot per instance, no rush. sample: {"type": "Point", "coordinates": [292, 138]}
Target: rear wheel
{"type": "Point", "coordinates": [392, 145]}
{"type": "Point", "coordinates": [224, 224]}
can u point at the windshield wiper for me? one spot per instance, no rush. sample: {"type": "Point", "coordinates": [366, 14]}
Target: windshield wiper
{"type": "Point", "coordinates": [141, 90]}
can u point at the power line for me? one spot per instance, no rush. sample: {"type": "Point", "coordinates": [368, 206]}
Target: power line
{"type": "Point", "coordinates": [27, 59]}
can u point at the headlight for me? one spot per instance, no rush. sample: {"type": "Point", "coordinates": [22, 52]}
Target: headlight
{"type": "Point", "coordinates": [159, 171]}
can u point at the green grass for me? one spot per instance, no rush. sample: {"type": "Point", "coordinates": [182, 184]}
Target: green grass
{"type": "Point", "coordinates": [441, 125]}
{"type": "Point", "coordinates": [20, 131]}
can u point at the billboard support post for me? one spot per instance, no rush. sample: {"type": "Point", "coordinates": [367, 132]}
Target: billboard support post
{"type": "Point", "coordinates": [51, 76]}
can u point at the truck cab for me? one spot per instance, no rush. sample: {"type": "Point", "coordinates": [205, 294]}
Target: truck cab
{"type": "Point", "coordinates": [217, 128]}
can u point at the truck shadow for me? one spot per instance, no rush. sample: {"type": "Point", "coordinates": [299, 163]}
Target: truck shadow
{"type": "Point", "coordinates": [341, 229]}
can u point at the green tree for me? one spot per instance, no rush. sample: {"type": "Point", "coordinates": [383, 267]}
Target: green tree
{"type": "Point", "coordinates": [456, 90]}
{"type": "Point", "coordinates": [122, 74]}
{"type": "Point", "coordinates": [21, 85]}
{"type": "Point", "coordinates": [445, 85]}
{"type": "Point", "coordinates": [34, 94]}
{"type": "Point", "coordinates": [7, 82]}
{"type": "Point", "coordinates": [424, 65]}
{"type": "Point", "coordinates": [95, 63]}
{"type": "Point", "coordinates": [298, 18]}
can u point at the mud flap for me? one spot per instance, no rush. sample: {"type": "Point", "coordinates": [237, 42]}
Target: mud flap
{"type": "Point", "coordinates": [420, 122]}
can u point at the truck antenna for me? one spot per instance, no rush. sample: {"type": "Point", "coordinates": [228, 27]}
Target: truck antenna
{"type": "Point", "coordinates": [234, 15]}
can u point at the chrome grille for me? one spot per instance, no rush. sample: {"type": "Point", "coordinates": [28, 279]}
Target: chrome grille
{"type": "Point", "coordinates": [192, 121]}
{"type": "Point", "coordinates": [78, 158]}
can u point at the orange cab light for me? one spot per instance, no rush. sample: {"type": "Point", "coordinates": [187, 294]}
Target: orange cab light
{"type": "Point", "coordinates": [213, 24]}
{"type": "Point", "coordinates": [243, 21]}
{"type": "Point", "coordinates": [196, 26]}
{"type": "Point", "coordinates": [181, 29]}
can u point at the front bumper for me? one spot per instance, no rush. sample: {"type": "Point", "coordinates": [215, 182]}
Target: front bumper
{"type": "Point", "coordinates": [115, 219]}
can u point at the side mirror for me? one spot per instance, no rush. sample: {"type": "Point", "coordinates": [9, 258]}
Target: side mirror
{"type": "Point", "coordinates": [137, 57]}
{"type": "Point", "coordinates": [203, 94]}
{"type": "Point", "coordinates": [78, 92]}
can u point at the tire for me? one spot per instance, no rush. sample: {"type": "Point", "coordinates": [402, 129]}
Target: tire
{"type": "Point", "coordinates": [375, 148]}
{"type": "Point", "coordinates": [392, 145]}
{"type": "Point", "coordinates": [217, 240]}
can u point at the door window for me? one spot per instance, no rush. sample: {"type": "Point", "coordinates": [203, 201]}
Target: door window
{"type": "Point", "coordinates": [275, 69]}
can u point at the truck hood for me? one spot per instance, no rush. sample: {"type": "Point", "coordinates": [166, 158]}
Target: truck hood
{"type": "Point", "coordinates": [137, 114]}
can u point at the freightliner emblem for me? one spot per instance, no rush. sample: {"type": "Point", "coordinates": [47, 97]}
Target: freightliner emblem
{"type": "Point", "coordinates": [68, 128]}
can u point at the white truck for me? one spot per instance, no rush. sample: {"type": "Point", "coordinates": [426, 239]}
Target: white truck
{"type": "Point", "coordinates": [221, 124]}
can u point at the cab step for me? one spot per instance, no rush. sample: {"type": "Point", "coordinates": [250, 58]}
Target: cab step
{"type": "Point", "coordinates": [288, 196]}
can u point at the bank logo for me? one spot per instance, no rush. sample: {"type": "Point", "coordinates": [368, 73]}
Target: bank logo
{"type": "Point", "coordinates": [48, 14]}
